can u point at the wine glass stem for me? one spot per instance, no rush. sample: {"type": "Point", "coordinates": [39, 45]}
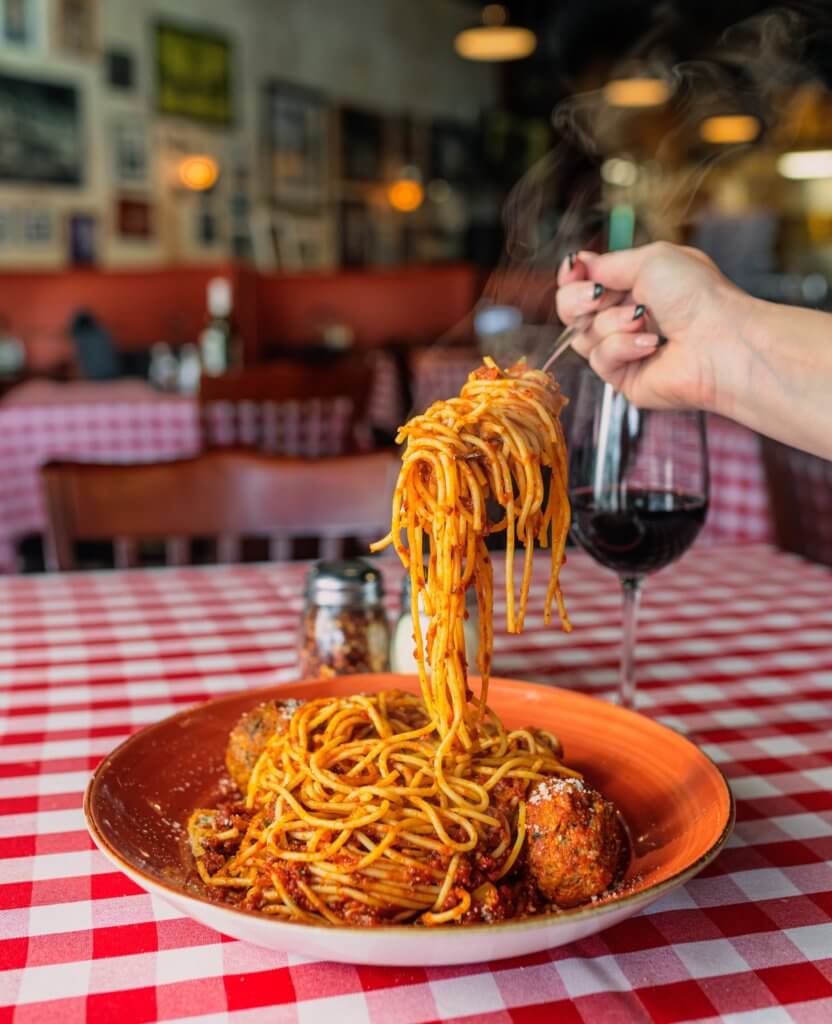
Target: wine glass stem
{"type": "Point", "coordinates": [631, 590]}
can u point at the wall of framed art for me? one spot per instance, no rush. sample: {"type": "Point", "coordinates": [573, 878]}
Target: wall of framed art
{"type": "Point", "coordinates": [103, 99]}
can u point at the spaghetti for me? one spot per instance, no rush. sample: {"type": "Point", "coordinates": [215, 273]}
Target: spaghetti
{"type": "Point", "coordinates": [388, 807]}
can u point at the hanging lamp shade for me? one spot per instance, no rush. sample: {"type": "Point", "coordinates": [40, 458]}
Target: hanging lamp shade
{"type": "Point", "coordinates": [495, 39]}
{"type": "Point", "coordinates": [725, 129]}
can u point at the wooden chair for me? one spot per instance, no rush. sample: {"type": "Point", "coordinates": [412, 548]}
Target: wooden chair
{"type": "Point", "coordinates": [227, 495]}
{"type": "Point", "coordinates": [800, 491]}
{"type": "Point", "coordinates": [288, 407]}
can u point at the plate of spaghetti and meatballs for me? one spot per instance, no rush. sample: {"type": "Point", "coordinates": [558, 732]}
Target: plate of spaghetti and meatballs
{"type": "Point", "coordinates": [674, 800]}
{"type": "Point", "coordinates": [443, 818]}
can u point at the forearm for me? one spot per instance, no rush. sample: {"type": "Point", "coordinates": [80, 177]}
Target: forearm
{"type": "Point", "coordinates": [780, 377]}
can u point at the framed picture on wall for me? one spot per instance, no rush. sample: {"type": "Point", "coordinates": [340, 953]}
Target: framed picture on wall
{"type": "Point", "coordinates": [120, 69]}
{"type": "Point", "coordinates": [20, 23]}
{"type": "Point", "coordinates": [206, 222]}
{"type": "Point", "coordinates": [134, 218]}
{"type": "Point", "coordinates": [40, 125]}
{"type": "Point", "coordinates": [130, 152]}
{"type": "Point", "coordinates": [76, 27]}
{"type": "Point", "coordinates": [362, 145]}
{"type": "Point", "coordinates": [356, 234]}
{"type": "Point", "coordinates": [453, 152]}
{"type": "Point", "coordinates": [193, 74]}
{"type": "Point", "coordinates": [37, 226]}
{"type": "Point", "coordinates": [81, 231]}
{"type": "Point", "coordinates": [295, 136]}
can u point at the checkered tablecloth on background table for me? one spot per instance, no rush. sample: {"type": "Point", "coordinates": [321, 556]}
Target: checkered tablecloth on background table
{"type": "Point", "coordinates": [128, 421]}
{"type": "Point", "coordinates": [735, 651]}
{"type": "Point", "coordinates": [120, 421]}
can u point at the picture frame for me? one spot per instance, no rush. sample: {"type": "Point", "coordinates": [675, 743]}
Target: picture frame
{"type": "Point", "coordinates": [37, 226]}
{"type": "Point", "coordinates": [362, 145]}
{"type": "Point", "coordinates": [355, 234]}
{"type": "Point", "coordinates": [453, 152]}
{"type": "Point", "coordinates": [40, 123]}
{"type": "Point", "coordinates": [82, 231]}
{"type": "Point", "coordinates": [20, 23]}
{"type": "Point", "coordinates": [207, 228]}
{"type": "Point", "coordinates": [134, 218]}
{"type": "Point", "coordinates": [130, 153]}
{"type": "Point", "coordinates": [76, 27]}
{"type": "Point", "coordinates": [193, 74]}
{"type": "Point", "coordinates": [295, 144]}
{"type": "Point", "coordinates": [280, 239]}
{"type": "Point", "coordinates": [120, 69]}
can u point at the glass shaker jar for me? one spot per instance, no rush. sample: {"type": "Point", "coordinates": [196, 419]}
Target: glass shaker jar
{"type": "Point", "coordinates": [344, 628]}
{"type": "Point", "coordinates": [402, 647]}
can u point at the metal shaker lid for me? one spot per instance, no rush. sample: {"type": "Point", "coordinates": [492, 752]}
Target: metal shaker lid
{"type": "Point", "coordinates": [351, 582]}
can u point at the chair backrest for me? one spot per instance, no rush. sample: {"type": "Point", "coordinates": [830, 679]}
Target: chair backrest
{"type": "Point", "coordinates": [800, 491]}
{"type": "Point", "coordinates": [228, 495]}
{"type": "Point", "coordinates": [288, 407]}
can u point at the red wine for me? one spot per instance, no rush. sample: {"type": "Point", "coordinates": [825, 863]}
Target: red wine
{"type": "Point", "coordinates": [636, 531]}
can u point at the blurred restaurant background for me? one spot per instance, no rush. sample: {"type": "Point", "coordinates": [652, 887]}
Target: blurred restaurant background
{"type": "Point", "coordinates": [241, 243]}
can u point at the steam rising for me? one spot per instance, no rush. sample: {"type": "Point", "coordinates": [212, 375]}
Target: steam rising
{"type": "Point", "coordinates": [560, 205]}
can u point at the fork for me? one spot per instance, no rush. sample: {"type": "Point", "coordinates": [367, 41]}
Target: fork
{"type": "Point", "coordinates": [565, 340]}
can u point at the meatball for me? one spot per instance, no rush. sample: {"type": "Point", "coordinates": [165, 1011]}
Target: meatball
{"type": "Point", "coordinates": [250, 735]}
{"type": "Point", "coordinates": [575, 841]}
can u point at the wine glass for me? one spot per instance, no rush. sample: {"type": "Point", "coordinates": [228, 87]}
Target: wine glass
{"type": "Point", "coordinates": [638, 483]}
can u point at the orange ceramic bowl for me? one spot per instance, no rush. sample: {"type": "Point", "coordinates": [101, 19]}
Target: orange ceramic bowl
{"type": "Point", "coordinates": [676, 802]}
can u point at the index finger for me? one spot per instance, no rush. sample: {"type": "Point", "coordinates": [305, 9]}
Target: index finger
{"type": "Point", "coordinates": [619, 270]}
{"type": "Point", "coordinates": [575, 267]}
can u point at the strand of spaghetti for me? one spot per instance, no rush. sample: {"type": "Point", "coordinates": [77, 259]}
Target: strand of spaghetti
{"type": "Point", "coordinates": [520, 833]}
{"type": "Point", "coordinates": [454, 914]}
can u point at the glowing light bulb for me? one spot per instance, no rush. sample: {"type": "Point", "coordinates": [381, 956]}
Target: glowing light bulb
{"type": "Point", "coordinates": [636, 92]}
{"type": "Point", "coordinates": [725, 129]}
{"type": "Point", "coordinates": [406, 195]}
{"type": "Point", "coordinates": [199, 172]}
{"type": "Point", "coordinates": [494, 40]}
{"type": "Point", "coordinates": [618, 171]}
{"type": "Point", "coordinates": [815, 163]}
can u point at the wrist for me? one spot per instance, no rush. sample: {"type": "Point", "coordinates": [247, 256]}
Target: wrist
{"type": "Point", "coordinates": [742, 330]}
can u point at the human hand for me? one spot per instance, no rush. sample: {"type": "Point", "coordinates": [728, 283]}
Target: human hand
{"type": "Point", "coordinates": [665, 324]}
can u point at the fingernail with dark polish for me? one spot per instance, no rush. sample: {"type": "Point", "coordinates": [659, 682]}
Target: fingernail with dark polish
{"type": "Point", "coordinates": [638, 311]}
{"type": "Point", "coordinates": [597, 291]}
{"type": "Point", "coordinates": [571, 259]}
{"type": "Point", "coordinates": [662, 341]}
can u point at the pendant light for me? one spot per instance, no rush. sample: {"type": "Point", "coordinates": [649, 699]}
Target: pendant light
{"type": "Point", "coordinates": [636, 92]}
{"type": "Point", "coordinates": [728, 129]}
{"type": "Point", "coordinates": [806, 164]}
{"type": "Point", "coordinates": [495, 39]}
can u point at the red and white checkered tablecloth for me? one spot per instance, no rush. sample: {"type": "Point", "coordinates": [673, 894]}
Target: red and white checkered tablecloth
{"type": "Point", "coordinates": [120, 421]}
{"type": "Point", "coordinates": [735, 650]}
{"type": "Point", "coordinates": [128, 421]}
{"type": "Point", "coordinates": [739, 510]}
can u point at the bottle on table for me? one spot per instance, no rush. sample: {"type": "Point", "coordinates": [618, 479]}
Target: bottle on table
{"type": "Point", "coordinates": [164, 367]}
{"type": "Point", "coordinates": [190, 370]}
{"type": "Point", "coordinates": [218, 345]}
{"type": "Point", "coordinates": [403, 645]}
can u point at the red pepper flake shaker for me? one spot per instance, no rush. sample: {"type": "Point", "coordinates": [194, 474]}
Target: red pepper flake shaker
{"type": "Point", "coordinates": [344, 628]}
